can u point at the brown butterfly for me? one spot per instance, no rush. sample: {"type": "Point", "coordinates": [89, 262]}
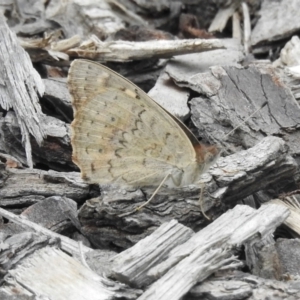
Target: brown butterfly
{"type": "Point", "coordinates": [121, 136]}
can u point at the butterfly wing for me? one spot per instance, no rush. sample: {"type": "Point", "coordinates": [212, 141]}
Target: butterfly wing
{"type": "Point", "coordinates": [119, 134]}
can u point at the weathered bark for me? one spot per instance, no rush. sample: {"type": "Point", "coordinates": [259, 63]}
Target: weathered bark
{"type": "Point", "coordinates": [232, 179]}
{"type": "Point", "coordinates": [122, 51]}
{"type": "Point", "coordinates": [20, 87]}
{"type": "Point", "coordinates": [175, 271]}
{"type": "Point", "coordinates": [35, 261]}
{"type": "Point", "coordinates": [30, 186]}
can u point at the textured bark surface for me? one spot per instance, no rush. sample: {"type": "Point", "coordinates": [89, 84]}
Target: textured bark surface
{"type": "Point", "coordinates": [201, 255]}
{"type": "Point", "coordinates": [61, 238]}
{"type": "Point", "coordinates": [20, 87]}
{"type": "Point", "coordinates": [232, 179]}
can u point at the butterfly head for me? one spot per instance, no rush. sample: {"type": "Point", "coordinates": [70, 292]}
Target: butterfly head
{"type": "Point", "coordinates": [206, 156]}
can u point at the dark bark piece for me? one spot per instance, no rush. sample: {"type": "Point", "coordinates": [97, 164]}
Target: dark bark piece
{"type": "Point", "coordinates": [237, 285]}
{"type": "Point", "coordinates": [156, 7]}
{"type": "Point", "coordinates": [141, 34]}
{"type": "Point", "coordinates": [54, 153]}
{"type": "Point", "coordinates": [262, 259]}
{"type": "Point", "coordinates": [57, 99]}
{"type": "Point", "coordinates": [55, 213]}
{"type": "Point", "coordinates": [131, 266]}
{"type": "Point", "coordinates": [189, 27]}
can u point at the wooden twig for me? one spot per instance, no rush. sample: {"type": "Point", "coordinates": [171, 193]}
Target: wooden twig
{"type": "Point", "coordinates": [126, 51]}
{"type": "Point", "coordinates": [247, 28]}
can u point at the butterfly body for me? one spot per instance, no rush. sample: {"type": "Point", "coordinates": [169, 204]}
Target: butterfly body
{"type": "Point", "coordinates": [121, 136]}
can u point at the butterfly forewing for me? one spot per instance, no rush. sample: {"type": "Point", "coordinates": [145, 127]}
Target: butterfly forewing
{"type": "Point", "coordinates": [119, 134]}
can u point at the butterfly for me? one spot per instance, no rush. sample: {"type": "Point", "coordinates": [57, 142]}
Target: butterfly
{"type": "Point", "coordinates": [121, 136]}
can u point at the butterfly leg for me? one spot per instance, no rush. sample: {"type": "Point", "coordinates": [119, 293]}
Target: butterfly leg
{"type": "Point", "coordinates": [154, 193]}
{"type": "Point", "coordinates": [202, 187]}
{"type": "Point", "coordinates": [149, 200]}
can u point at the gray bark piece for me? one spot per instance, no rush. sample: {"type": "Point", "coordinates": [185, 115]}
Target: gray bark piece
{"type": "Point", "coordinates": [69, 17]}
{"type": "Point", "coordinates": [75, 281]}
{"type": "Point", "coordinates": [16, 294]}
{"type": "Point", "coordinates": [278, 20]}
{"type": "Point", "coordinates": [234, 227]}
{"type": "Point", "coordinates": [154, 7]}
{"type": "Point", "coordinates": [238, 172]}
{"type": "Point", "coordinates": [40, 184]}
{"type": "Point", "coordinates": [67, 244]}
{"type": "Point", "coordinates": [170, 96]}
{"type": "Point", "coordinates": [55, 213]}
{"type": "Point", "coordinates": [179, 280]}
{"type": "Point", "coordinates": [236, 285]}
{"type": "Point", "coordinates": [100, 261]}
{"type": "Point", "coordinates": [263, 260]}
{"type": "Point", "coordinates": [234, 96]}
{"type": "Point", "coordinates": [15, 247]}
{"type": "Point", "coordinates": [36, 265]}
{"type": "Point", "coordinates": [289, 54]}
{"type": "Point", "coordinates": [289, 255]}
{"type": "Point", "coordinates": [131, 266]}
{"type": "Point", "coordinates": [183, 68]}
{"type": "Point", "coordinates": [20, 86]}
{"type": "Point", "coordinates": [210, 249]}
{"type": "Point", "coordinates": [103, 18]}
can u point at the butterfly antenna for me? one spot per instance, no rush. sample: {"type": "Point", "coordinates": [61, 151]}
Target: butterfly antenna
{"type": "Point", "coordinates": [202, 186]}
{"type": "Point", "coordinates": [242, 123]}
{"type": "Point", "coordinates": [239, 125]}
